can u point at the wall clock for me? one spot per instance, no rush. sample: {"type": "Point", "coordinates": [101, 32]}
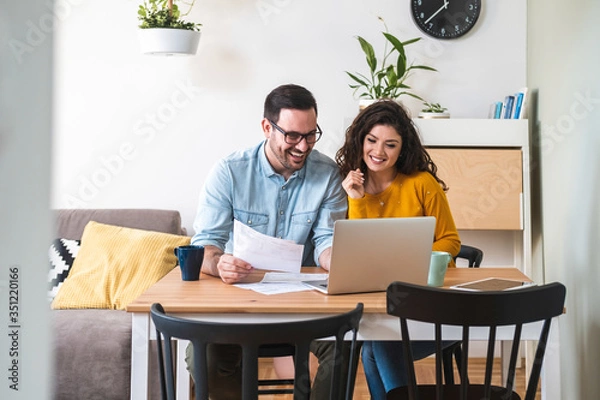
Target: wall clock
{"type": "Point", "coordinates": [445, 19]}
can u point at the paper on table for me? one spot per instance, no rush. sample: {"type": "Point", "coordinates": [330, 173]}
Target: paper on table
{"type": "Point", "coordinates": [274, 288]}
{"type": "Point", "coordinates": [282, 282]}
{"type": "Point", "coordinates": [266, 252]}
{"type": "Point", "coordinates": [285, 277]}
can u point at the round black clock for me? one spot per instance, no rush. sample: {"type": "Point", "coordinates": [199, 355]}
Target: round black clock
{"type": "Point", "coordinates": [445, 19]}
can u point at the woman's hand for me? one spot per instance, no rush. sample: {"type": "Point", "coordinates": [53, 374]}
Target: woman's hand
{"type": "Point", "coordinates": [354, 184]}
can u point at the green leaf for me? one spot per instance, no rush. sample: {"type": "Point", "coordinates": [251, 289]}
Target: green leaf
{"type": "Point", "coordinates": [367, 48]}
{"type": "Point", "coordinates": [357, 79]}
{"type": "Point", "coordinates": [175, 11]}
{"type": "Point", "coordinates": [391, 76]}
{"type": "Point", "coordinates": [401, 66]}
{"type": "Point", "coordinates": [410, 41]}
{"type": "Point", "coordinates": [412, 95]}
{"type": "Point", "coordinates": [421, 67]}
{"type": "Point", "coordinates": [396, 43]}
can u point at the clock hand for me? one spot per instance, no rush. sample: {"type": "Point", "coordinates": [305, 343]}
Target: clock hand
{"type": "Point", "coordinates": [438, 11]}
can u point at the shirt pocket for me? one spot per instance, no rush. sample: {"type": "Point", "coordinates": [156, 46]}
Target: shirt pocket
{"type": "Point", "coordinates": [250, 219]}
{"type": "Point", "coordinates": [304, 219]}
{"type": "Point", "coordinates": [302, 224]}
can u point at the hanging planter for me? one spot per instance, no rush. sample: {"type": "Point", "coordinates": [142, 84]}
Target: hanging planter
{"type": "Point", "coordinates": [168, 41]}
{"type": "Point", "coordinates": [162, 32]}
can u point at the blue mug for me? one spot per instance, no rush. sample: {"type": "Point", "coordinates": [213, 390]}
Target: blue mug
{"type": "Point", "coordinates": [190, 261]}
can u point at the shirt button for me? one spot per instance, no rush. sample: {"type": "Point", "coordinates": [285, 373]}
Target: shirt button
{"type": "Point", "coordinates": [249, 222]}
{"type": "Point", "coordinates": [281, 212]}
{"type": "Point", "coordinates": [308, 220]}
{"type": "Point", "coordinates": [283, 187]}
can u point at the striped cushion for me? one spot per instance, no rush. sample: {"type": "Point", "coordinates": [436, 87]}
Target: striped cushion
{"type": "Point", "coordinates": [62, 253]}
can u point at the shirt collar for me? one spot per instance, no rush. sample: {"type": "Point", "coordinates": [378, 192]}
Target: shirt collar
{"type": "Point", "coordinates": [268, 168]}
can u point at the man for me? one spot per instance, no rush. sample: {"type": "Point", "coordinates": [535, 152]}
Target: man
{"type": "Point", "coordinates": [282, 188]}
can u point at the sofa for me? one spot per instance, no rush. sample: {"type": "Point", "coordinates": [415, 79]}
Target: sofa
{"type": "Point", "coordinates": [92, 347]}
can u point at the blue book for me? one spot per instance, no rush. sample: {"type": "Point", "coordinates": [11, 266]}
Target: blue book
{"type": "Point", "coordinates": [508, 101]}
{"type": "Point", "coordinates": [498, 112]}
{"type": "Point", "coordinates": [518, 104]}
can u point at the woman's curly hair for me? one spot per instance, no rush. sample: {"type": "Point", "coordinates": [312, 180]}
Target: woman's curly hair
{"type": "Point", "coordinates": [413, 156]}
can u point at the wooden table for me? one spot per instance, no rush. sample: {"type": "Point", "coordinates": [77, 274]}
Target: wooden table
{"type": "Point", "coordinates": [211, 299]}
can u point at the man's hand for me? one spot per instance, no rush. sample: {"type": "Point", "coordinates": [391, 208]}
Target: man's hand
{"type": "Point", "coordinates": [229, 268]}
{"type": "Point", "coordinates": [354, 184]}
{"type": "Point", "coordinates": [233, 269]}
{"type": "Point", "coordinates": [325, 258]}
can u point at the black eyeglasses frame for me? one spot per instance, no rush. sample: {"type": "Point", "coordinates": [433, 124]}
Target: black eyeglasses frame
{"type": "Point", "coordinates": [286, 135]}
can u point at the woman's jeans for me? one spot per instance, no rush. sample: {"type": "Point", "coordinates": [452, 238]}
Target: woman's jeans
{"type": "Point", "coordinates": [383, 363]}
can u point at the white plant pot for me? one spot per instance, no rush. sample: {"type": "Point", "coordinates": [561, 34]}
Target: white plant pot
{"type": "Point", "coordinates": [168, 41]}
{"type": "Point", "coordinates": [431, 115]}
{"type": "Point", "coordinates": [364, 103]}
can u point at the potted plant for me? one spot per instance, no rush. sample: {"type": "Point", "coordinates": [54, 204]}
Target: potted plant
{"type": "Point", "coordinates": [433, 110]}
{"type": "Point", "coordinates": [387, 75]}
{"type": "Point", "coordinates": [163, 32]}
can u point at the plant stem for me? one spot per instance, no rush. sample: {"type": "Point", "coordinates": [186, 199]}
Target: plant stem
{"type": "Point", "coordinates": [170, 6]}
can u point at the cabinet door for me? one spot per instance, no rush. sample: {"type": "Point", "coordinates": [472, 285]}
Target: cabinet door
{"type": "Point", "coordinates": [486, 186]}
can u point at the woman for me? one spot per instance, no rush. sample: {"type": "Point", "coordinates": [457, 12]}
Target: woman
{"type": "Point", "coordinates": [388, 173]}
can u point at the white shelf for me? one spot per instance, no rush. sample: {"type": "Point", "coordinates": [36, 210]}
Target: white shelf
{"type": "Point", "coordinates": [473, 132]}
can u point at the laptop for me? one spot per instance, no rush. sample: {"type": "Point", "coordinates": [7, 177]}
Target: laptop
{"type": "Point", "coordinates": [369, 254]}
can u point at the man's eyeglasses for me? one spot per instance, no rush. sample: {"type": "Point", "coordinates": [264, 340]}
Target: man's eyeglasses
{"type": "Point", "coordinates": [295, 137]}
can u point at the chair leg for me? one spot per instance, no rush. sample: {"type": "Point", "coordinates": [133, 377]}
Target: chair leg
{"type": "Point", "coordinates": [447, 354]}
{"type": "Point", "coordinates": [458, 357]}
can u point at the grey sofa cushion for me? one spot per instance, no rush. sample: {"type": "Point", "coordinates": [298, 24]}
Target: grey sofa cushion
{"type": "Point", "coordinates": [92, 354]}
{"type": "Point", "coordinates": [71, 222]}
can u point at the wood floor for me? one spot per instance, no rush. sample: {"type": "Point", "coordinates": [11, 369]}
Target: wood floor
{"type": "Point", "coordinates": [425, 374]}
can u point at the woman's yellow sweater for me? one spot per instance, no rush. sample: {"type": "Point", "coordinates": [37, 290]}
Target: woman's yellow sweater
{"type": "Point", "coordinates": [413, 195]}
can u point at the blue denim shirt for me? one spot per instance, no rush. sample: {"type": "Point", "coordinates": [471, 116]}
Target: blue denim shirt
{"type": "Point", "coordinates": [245, 187]}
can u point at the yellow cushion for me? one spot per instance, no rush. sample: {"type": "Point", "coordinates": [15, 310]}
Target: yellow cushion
{"type": "Point", "coordinates": [115, 265]}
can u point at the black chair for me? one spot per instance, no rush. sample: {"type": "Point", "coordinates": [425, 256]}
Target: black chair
{"type": "Point", "coordinates": [470, 253]}
{"type": "Point", "coordinates": [474, 256]}
{"type": "Point", "coordinates": [250, 337]}
{"type": "Point", "coordinates": [467, 309]}
{"type": "Point", "coordinates": [275, 351]}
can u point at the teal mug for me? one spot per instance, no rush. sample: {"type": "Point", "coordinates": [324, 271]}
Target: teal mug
{"type": "Point", "coordinates": [437, 268]}
{"type": "Point", "coordinates": [190, 261]}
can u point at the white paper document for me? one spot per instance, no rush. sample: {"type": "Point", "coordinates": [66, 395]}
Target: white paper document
{"type": "Point", "coordinates": [271, 277]}
{"type": "Point", "coordinates": [266, 252]}
{"type": "Point", "coordinates": [281, 282]}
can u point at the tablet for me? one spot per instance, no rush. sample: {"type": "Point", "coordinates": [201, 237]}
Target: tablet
{"type": "Point", "coordinates": [493, 284]}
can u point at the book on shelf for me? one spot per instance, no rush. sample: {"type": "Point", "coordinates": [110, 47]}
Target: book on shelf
{"type": "Point", "coordinates": [518, 104]}
{"type": "Point", "coordinates": [523, 108]}
{"type": "Point", "coordinates": [508, 106]}
{"type": "Point", "coordinates": [496, 110]}
{"type": "Point", "coordinates": [514, 106]}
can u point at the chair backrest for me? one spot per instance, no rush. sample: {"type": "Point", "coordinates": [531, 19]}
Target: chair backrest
{"type": "Point", "coordinates": [473, 255]}
{"type": "Point", "coordinates": [250, 336]}
{"type": "Point", "coordinates": [466, 309]}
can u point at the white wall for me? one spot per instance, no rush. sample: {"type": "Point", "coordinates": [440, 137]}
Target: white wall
{"type": "Point", "coordinates": [142, 131]}
{"type": "Point", "coordinates": [563, 64]}
{"type": "Point", "coordinates": [25, 228]}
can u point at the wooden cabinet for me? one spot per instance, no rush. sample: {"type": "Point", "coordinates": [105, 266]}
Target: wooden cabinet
{"type": "Point", "coordinates": [486, 186]}
{"type": "Point", "coordinates": [485, 162]}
